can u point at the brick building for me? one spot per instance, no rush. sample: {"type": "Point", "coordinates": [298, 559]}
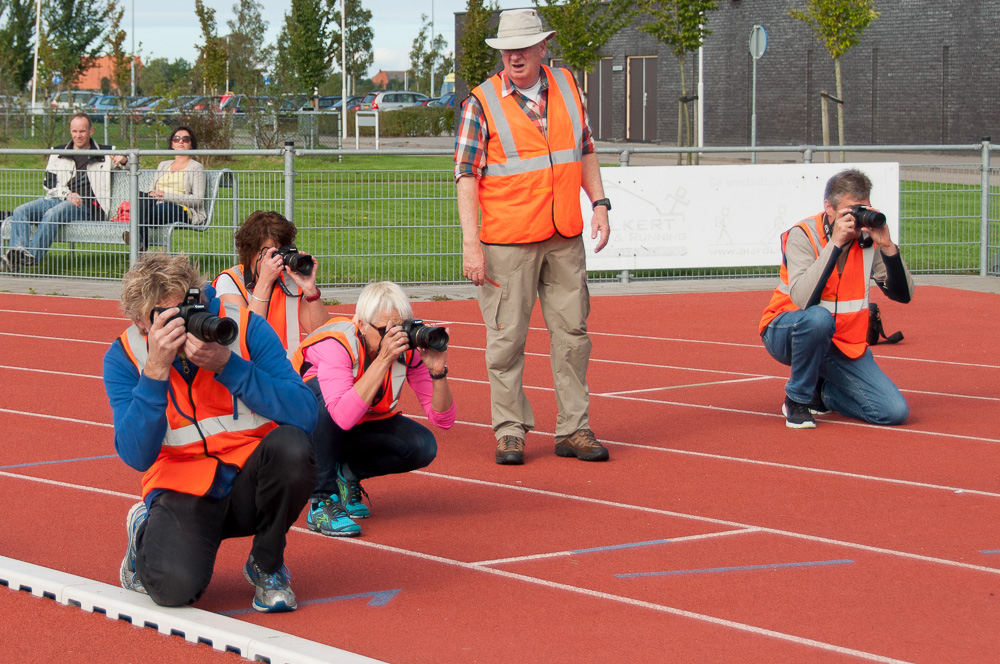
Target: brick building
{"type": "Point", "coordinates": [925, 72]}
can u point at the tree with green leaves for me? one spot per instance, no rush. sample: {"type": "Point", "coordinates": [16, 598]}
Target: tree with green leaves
{"type": "Point", "coordinates": [425, 55]}
{"type": "Point", "coordinates": [245, 45]}
{"type": "Point", "coordinates": [17, 37]}
{"type": "Point", "coordinates": [838, 26]}
{"type": "Point", "coordinates": [73, 36]}
{"type": "Point", "coordinates": [478, 60]}
{"type": "Point", "coordinates": [359, 39]}
{"type": "Point", "coordinates": [681, 25]}
{"type": "Point", "coordinates": [304, 50]}
{"type": "Point", "coordinates": [211, 63]}
{"type": "Point", "coordinates": [121, 62]}
{"type": "Point", "coordinates": [583, 27]}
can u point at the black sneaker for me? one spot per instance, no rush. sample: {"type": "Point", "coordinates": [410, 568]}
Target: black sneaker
{"type": "Point", "coordinates": [817, 407]}
{"type": "Point", "coordinates": [797, 415]}
{"type": "Point", "coordinates": [18, 259]}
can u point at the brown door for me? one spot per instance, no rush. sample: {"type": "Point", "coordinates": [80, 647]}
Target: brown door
{"type": "Point", "coordinates": [599, 103]}
{"type": "Point", "coordinates": [641, 99]}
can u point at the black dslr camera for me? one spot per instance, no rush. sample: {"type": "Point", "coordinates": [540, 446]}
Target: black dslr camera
{"type": "Point", "coordinates": [296, 262]}
{"type": "Point", "coordinates": [425, 336]}
{"type": "Point", "coordinates": [199, 322]}
{"type": "Point", "coordinates": [867, 218]}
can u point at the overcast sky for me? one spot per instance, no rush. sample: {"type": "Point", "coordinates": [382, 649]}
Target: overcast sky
{"type": "Point", "coordinates": [170, 29]}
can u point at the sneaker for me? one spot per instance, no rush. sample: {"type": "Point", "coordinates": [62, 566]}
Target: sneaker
{"type": "Point", "coordinates": [328, 517]}
{"type": "Point", "coordinates": [582, 445]}
{"type": "Point", "coordinates": [129, 577]}
{"type": "Point", "coordinates": [817, 407]}
{"type": "Point", "coordinates": [351, 494]}
{"type": "Point", "coordinates": [5, 265]}
{"type": "Point", "coordinates": [273, 592]}
{"type": "Point", "coordinates": [19, 258]}
{"type": "Point", "coordinates": [797, 415]}
{"type": "Point", "coordinates": [510, 450]}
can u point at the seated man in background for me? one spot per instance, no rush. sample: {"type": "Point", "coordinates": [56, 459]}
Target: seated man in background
{"type": "Point", "coordinates": [76, 189]}
{"type": "Point", "coordinates": [208, 407]}
{"type": "Point", "coordinates": [356, 368]}
{"type": "Point", "coordinates": [817, 319]}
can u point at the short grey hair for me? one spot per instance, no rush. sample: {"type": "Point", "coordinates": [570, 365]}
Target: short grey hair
{"type": "Point", "coordinates": [850, 182]}
{"type": "Point", "coordinates": [381, 296]}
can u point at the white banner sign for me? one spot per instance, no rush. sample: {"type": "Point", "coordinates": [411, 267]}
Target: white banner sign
{"type": "Point", "coordinates": [718, 216]}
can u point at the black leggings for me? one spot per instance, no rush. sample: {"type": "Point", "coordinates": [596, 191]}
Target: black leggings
{"type": "Point", "coordinates": [177, 545]}
{"type": "Point", "coordinates": [154, 212]}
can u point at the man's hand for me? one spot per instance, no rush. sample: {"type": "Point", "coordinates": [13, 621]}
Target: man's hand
{"type": "Point", "coordinates": [600, 226]}
{"type": "Point", "coordinates": [74, 198]}
{"type": "Point", "coordinates": [119, 159]}
{"type": "Point", "coordinates": [883, 239]}
{"type": "Point", "coordinates": [845, 228]}
{"type": "Point", "coordinates": [206, 354]}
{"type": "Point", "coordinates": [474, 263]}
{"type": "Point", "coordinates": [166, 336]}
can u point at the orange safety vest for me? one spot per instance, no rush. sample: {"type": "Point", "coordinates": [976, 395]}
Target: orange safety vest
{"type": "Point", "coordinates": [345, 332]}
{"type": "Point", "coordinates": [187, 462]}
{"type": "Point", "coordinates": [282, 311]}
{"type": "Point", "coordinates": [845, 294]}
{"type": "Point", "coordinates": [530, 188]}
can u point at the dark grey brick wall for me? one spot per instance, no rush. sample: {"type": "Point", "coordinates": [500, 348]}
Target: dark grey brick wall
{"type": "Point", "coordinates": [925, 72]}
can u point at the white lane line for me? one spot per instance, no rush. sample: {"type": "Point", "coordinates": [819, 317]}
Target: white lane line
{"type": "Point", "coordinates": [597, 594]}
{"type": "Point", "coordinates": [678, 387]}
{"type": "Point", "coordinates": [48, 371]}
{"type": "Point", "coordinates": [56, 417]}
{"type": "Point", "coordinates": [36, 337]}
{"type": "Point", "coordinates": [624, 547]}
{"type": "Point", "coordinates": [53, 313]}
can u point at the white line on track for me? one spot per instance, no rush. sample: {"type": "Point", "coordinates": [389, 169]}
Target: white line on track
{"type": "Point", "coordinates": [678, 387]}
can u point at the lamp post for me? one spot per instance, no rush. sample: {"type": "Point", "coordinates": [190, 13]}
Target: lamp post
{"type": "Point", "coordinates": [343, 71]}
{"type": "Point", "coordinates": [34, 76]}
{"type": "Point", "coordinates": [432, 48]}
{"type": "Point", "coordinates": [132, 64]}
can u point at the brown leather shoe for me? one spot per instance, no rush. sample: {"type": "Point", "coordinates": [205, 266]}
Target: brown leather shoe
{"type": "Point", "coordinates": [583, 446]}
{"type": "Point", "coordinates": [510, 450]}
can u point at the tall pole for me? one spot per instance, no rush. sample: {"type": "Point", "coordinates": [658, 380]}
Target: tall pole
{"type": "Point", "coordinates": [432, 48]}
{"type": "Point", "coordinates": [343, 71]}
{"type": "Point", "coordinates": [132, 64]}
{"type": "Point", "coordinates": [34, 76]}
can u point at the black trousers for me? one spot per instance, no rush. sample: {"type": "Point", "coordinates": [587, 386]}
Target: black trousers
{"type": "Point", "coordinates": [153, 212]}
{"type": "Point", "coordinates": [396, 444]}
{"type": "Point", "coordinates": [177, 545]}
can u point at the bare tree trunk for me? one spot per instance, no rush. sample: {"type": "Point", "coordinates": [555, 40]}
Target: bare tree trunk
{"type": "Point", "coordinates": [840, 106]}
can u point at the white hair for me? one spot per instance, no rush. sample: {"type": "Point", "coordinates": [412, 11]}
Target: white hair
{"type": "Point", "coordinates": [379, 297]}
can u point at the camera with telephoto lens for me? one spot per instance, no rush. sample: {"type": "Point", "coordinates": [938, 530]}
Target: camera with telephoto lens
{"type": "Point", "coordinates": [866, 217]}
{"type": "Point", "coordinates": [425, 336]}
{"type": "Point", "coordinates": [296, 261]}
{"type": "Point", "coordinates": [200, 322]}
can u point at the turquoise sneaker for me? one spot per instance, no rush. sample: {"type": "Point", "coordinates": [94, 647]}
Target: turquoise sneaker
{"type": "Point", "coordinates": [351, 495]}
{"type": "Point", "coordinates": [327, 517]}
{"type": "Point", "coordinates": [129, 577]}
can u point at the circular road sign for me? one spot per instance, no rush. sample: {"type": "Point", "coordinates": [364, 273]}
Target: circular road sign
{"type": "Point", "coordinates": [758, 42]}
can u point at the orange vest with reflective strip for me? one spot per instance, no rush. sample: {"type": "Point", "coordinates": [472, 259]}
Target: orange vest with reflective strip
{"type": "Point", "coordinates": [348, 335]}
{"type": "Point", "coordinates": [231, 430]}
{"type": "Point", "coordinates": [530, 188]}
{"type": "Point", "coordinates": [282, 311]}
{"type": "Point", "coordinates": [845, 294]}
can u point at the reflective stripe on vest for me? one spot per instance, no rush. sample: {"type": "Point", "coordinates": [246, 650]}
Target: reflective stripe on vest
{"type": "Point", "coordinates": [345, 332]}
{"type": "Point", "coordinates": [845, 294]}
{"type": "Point", "coordinates": [282, 311]}
{"type": "Point", "coordinates": [530, 188]}
{"type": "Point", "coordinates": [231, 430]}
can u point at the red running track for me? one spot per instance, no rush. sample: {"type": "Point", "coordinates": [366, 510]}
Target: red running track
{"type": "Point", "coordinates": [714, 534]}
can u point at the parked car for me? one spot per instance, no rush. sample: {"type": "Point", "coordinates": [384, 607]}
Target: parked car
{"type": "Point", "coordinates": [446, 100]}
{"type": "Point", "coordinates": [105, 104]}
{"type": "Point", "coordinates": [396, 99]}
{"type": "Point", "coordinates": [66, 99]}
{"type": "Point", "coordinates": [366, 102]}
{"type": "Point", "coordinates": [331, 103]}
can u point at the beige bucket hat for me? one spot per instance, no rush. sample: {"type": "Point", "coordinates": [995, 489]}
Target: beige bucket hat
{"type": "Point", "coordinates": [519, 28]}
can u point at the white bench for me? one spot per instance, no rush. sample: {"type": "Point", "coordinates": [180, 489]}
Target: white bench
{"type": "Point", "coordinates": [111, 232]}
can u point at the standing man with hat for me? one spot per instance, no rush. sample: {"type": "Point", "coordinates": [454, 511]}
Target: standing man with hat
{"type": "Point", "coordinates": [523, 151]}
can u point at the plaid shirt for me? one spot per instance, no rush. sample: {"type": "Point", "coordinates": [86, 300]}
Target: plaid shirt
{"type": "Point", "coordinates": [471, 141]}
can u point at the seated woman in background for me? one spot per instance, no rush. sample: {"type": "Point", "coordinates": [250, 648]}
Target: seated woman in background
{"type": "Point", "coordinates": [178, 193]}
{"type": "Point", "coordinates": [288, 298]}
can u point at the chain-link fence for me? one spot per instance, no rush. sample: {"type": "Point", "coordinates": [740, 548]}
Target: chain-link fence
{"type": "Point", "coordinates": [384, 220]}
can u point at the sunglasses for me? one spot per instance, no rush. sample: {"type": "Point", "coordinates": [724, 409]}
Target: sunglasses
{"type": "Point", "coordinates": [181, 139]}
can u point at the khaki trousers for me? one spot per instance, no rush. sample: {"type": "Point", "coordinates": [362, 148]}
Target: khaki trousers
{"type": "Point", "coordinates": [555, 272]}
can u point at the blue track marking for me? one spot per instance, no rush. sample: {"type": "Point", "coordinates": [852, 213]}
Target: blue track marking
{"type": "Point", "coordinates": [621, 546]}
{"type": "Point", "coordinates": [46, 463]}
{"type": "Point", "coordinates": [989, 551]}
{"type": "Point", "coordinates": [378, 598]}
{"type": "Point", "coordinates": [734, 569]}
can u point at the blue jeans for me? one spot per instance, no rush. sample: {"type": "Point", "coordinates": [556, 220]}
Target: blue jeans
{"type": "Point", "coordinates": [802, 339]}
{"type": "Point", "coordinates": [50, 214]}
{"type": "Point", "coordinates": [396, 444]}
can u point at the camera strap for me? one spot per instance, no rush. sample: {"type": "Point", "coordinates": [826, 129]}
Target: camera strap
{"type": "Point", "coordinates": [876, 331]}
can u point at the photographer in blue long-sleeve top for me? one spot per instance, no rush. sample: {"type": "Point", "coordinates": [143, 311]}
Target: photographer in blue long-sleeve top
{"type": "Point", "coordinates": [208, 407]}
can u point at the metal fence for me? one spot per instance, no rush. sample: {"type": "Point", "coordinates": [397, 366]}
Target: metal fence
{"type": "Point", "coordinates": [367, 218]}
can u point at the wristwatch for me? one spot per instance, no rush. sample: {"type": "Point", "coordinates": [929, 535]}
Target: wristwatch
{"type": "Point", "coordinates": [602, 201]}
